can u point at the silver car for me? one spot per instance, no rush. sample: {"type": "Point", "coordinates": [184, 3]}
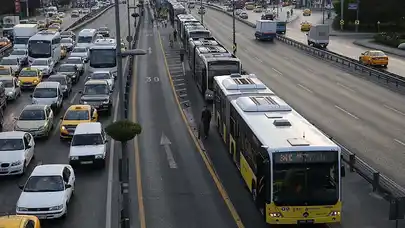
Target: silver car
{"type": "Point", "coordinates": [103, 75]}
{"type": "Point", "coordinates": [45, 65]}
{"type": "Point", "coordinates": [67, 43]}
{"type": "Point", "coordinates": [12, 87]}
{"type": "Point", "coordinates": [21, 54]}
{"type": "Point", "coordinates": [36, 119]}
{"type": "Point", "coordinates": [81, 52]}
{"type": "Point", "coordinates": [65, 83]}
{"type": "Point", "coordinates": [78, 61]}
{"type": "Point", "coordinates": [12, 62]}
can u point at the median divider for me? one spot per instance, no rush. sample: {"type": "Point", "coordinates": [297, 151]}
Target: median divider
{"type": "Point", "coordinates": [379, 182]}
{"type": "Point", "coordinates": [379, 75]}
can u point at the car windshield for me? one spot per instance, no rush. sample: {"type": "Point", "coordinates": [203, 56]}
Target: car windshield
{"type": "Point", "coordinates": [377, 53]}
{"type": "Point", "coordinates": [19, 52]}
{"type": "Point", "coordinates": [11, 144]}
{"type": "Point", "coordinates": [44, 184]}
{"type": "Point", "coordinates": [65, 34]}
{"type": "Point", "coordinates": [4, 71]}
{"type": "Point", "coordinates": [79, 50]}
{"type": "Point", "coordinates": [87, 140]}
{"type": "Point", "coordinates": [21, 40]}
{"type": "Point", "coordinates": [74, 61]}
{"type": "Point", "coordinates": [66, 41]}
{"type": "Point", "coordinates": [96, 89]}
{"type": "Point", "coordinates": [85, 39]}
{"type": "Point", "coordinates": [103, 29]}
{"type": "Point", "coordinates": [40, 62]}
{"type": "Point", "coordinates": [59, 79]}
{"type": "Point", "coordinates": [100, 76]}
{"type": "Point", "coordinates": [32, 114]}
{"type": "Point", "coordinates": [45, 92]}
{"type": "Point", "coordinates": [28, 73]}
{"type": "Point", "coordinates": [77, 115]}
{"type": "Point", "coordinates": [67, 68]}
{"type": "Point", "coordinates": [8, 83]}
{"type": "Point", "coordinates": [9, 62]}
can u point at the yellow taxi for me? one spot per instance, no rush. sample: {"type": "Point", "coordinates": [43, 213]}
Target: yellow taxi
{"type": "Point", "coordinates": [29, 77]}
{"type": "Point", "coordinates": [306, 26]}
{"type": "Point", "coordinates": [63, 53]}
{"type": "Point", "coordinates": [75, 115]}
{"type": "Point", "coordinates": [54, 27]}
{"type": "Point", "coordinates": [41, 25]}
{"type": "Point", "coordinates": [307, 12]}
{"type": "Point", "coordinates": [19, 221]}
{"type": "Point", "coordinates": [6, 71]}
{"type": "Point", "coordinates": [374, 58]}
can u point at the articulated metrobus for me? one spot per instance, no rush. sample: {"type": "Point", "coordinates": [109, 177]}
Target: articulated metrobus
{"type": "Point", "coordinates": [103, 56]}
{"type": "Point", "coordinates": [195, 42]}
{"type": "Point", "coordinates": [292, 170]}
{"type": "Point", "coordinates": [45, 44]}
{"type": "Point", "coordinates": [211, 61]}
{"type": "Point", "coordinates": [182, 20]}
{"type": "Point", "coordinates": [195, 32]}
{"type": "Point", "coordinates": [175, 9]}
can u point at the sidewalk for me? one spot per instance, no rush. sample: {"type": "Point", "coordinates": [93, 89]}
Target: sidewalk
{"type": "Point", "coordinates": [372, 45]}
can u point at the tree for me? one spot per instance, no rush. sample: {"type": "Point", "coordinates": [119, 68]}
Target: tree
{"type": "Point", "coordinates": [123, 130]}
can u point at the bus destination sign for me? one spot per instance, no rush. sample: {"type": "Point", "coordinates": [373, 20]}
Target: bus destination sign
{"type": "Point", "coordinates": [305, 157]}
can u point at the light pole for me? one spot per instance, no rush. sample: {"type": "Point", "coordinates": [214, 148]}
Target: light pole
{"type": "Point", "coordinates": [342, 6]}
{"type": "Point", "coordinates": [124, 95]}
{"type": "Point", "coordinates": [201, 12]}
{"type": "Point", "coordinates": [234, 47]}
{"type": "Point", "coordinates": [323, 11]}
{"type": "Point", "coordinates": [357, 15]}
{"type": "Point", "coordinates": [129, 38]}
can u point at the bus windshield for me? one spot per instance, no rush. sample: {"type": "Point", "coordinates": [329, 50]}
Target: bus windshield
{"type": "Point", "coordinates": [218, 68]}
{"type": "Point", "coordinates": [39, 49]}
{"type": "Point", "coordinates": [103, 58]}
{"type": "Point", "coordinates": [306, 183]}
{"type": "Point", "coordinates": [200, 34]}
{"type": "Point", "coordinates": [85, 39]}
{"type": "Point", "coordinates": [21, 40]}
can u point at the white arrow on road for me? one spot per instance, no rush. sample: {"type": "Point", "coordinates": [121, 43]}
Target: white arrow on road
{"type": "Point", "coordinates": [150, 50]}
{"type": "Point", "coordinates": [165, 142]}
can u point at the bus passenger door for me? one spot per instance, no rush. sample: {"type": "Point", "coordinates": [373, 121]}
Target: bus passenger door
{"type": "Point", "coordinates": [262, 185]}
{"type": "Point", "coordinates": [204, 80]}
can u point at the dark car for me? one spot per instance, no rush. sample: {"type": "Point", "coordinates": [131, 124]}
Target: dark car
{"type": "Point", "coordinates": [71, 71]}
{"type": "Point", "coordinates": [65, 82]}
{"type": "Point", "coordinates": [97, 93]}
{"type": "Point", "coordinates": [104, 31]}
{"type": "Point", "coordinates": [68, 34]}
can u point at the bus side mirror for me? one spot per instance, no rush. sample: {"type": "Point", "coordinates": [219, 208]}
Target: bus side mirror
{"type": "Point", "coordinates": [342, 171]}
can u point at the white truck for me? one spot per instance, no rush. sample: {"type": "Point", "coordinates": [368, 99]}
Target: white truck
{"type": "Point", "coordinates": [22, 33]}
{"type": "Point", "coordinates": [266, 30]}
{"type": "Point", "coordinates": [318, 36]}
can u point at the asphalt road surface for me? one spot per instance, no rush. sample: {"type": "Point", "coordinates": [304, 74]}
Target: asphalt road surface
{"type": "Point", "coordinates": [364, 117]}
{"type": "Point", "coordinates": [177, 188]}
{"type": "Point", "coordinates": [88, 208]}
{"type": "Point", "coordinates": [338, 44]}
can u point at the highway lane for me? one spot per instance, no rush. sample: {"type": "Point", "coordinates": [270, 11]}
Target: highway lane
{"type": "Point", "coordinates": [88, 207]}
{"type": "Point", "coordinates": [337, 44]}
{"type": "Point", "coordinates": [177, 188]}
{"type": "Point", "coordinates": [364, 117]}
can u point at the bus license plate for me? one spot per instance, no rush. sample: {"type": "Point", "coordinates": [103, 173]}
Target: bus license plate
{"type": "Point", "coordinates": [86, 162]}
{"type": "Point", "coordinates": [309, 221]}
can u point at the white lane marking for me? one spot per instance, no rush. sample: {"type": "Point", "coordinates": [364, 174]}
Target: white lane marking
{"type": "Point", "coordinates": [111, 172]}
{"type": "Point", "coordinates": [400, 142]}
{"type": "Point", "coordinates": [305, 88]}
{"type": "Point", "coordinates": [257, 58]}
{"type": "Point", "coordinates": [348, 113]}
{"type": "Point", "coordinates": [165, 142]}
{"type": "Point", "coordinates": [277, 71]}
{"type": "Point", "coordinates": [73, 98]}
{"type": "Point", "coordinates": [394, 110]}
{"type": "Point", "coordinates": [346, 87]}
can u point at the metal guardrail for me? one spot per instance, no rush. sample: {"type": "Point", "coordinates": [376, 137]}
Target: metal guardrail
{"type": "Point", "coordinates": [379, 182]}
{"type": "Point", "coordinates": [382, 76]}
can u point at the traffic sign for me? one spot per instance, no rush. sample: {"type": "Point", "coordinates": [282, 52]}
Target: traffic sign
{"type": "Point", "coordinates": [342, 22]}
{"type": "Point", "coordinates": [129, 39]}
{"type": "Point", "coordinates": [235, 47]}
{"type": "Point", "coordinates": [352, 6]}
{"type": "Point", "coordinates": [357, 22]}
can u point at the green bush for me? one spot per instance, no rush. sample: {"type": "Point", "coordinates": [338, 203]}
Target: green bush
{"type": "Point", "coordinates": [123, 130]}
{"type": "Point", "coordinates": [390, 39]}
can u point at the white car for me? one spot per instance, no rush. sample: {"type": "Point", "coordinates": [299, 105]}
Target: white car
{"type": "Point", "coordinates": [89, 145]}
{"type": "Point", "coordinates": [258, 9]}
{"type": "Point", "coordinates": [35, 119]}
{"type": "Point", "coordinates": [67, 43]}
{"type": "Point", "coordinates": [47, 192]}
{"type": "Point", "coordinates": [45, 65]}
{"type": "Point", "coordinates": [12, 87]}
{"type": "Point", "coordinates": [21, 54]}
{"type": "Point", "coordinates": [81, 52]}
{"type": "Point", "coordinates": [12, 62]}
{"type": "Point", "coordinates": [85, 11]}
{"type": "Point", "coordinates": [78, 61]}
{"type": "Point", "coordinates": [17, 149]}
{"type": "Point", "coordinates": [61, 14]}
{"type": "Point", "coordinates": [103, 75]}
{"type": "Point", "coordinates": [75, 13]}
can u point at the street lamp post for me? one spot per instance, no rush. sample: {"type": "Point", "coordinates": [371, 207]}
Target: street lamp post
{"type": "Point", "coordinates": [129, 38]}
{"type": "Point", "coordinates": [234, 46]}
{"type": "Point", "coordinates": [123, 94]}
{"type": "Point", "coordinates": [201, 12]}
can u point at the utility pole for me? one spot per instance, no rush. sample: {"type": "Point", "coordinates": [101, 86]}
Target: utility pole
{"type": "Point", "coordinates": [201, 12]}
{"type": "Point", "coordinates": [342, 6]}
{"type": "Point", "coordinates": [129, 37]}
{"type": "Point", "coordinates": [357, 15]}
{"type": "Point", "coordinates": [234, 46]}
{"type": "Point", "coordinates": [323, 11]}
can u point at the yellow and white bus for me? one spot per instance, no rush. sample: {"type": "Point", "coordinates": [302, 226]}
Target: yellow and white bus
{"type": "Point", "coordinates": [291, 168]}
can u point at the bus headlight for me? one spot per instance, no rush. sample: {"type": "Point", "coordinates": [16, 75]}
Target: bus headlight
{"type": "Point", "coordinates": [334, 213]}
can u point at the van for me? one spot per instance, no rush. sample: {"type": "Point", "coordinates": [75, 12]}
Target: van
{"type": "Point", "coordinates": [89, 145]}
{"type": "Point", "coordinates": [86, 38]}
{"type": "Point", "coordinates": [3, 96]}
{"type": "Point", "coordinates": [48, 93]}
{"type": "Point", "coordinates": [19, 221]}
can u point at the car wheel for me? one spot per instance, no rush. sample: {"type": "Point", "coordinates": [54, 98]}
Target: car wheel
{"type": "Point", "coordinates": [24, 168]}
{"type": "Point", "coordinates": [66, 212]}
